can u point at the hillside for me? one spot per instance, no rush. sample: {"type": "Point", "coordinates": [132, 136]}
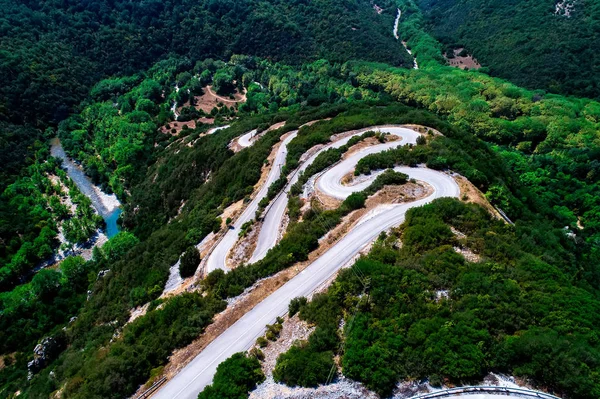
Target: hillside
{"type": "Point", "coordinates": [546, 44]}
{"type": "Point", "coordinates": [54, 51]}
{"type": "Point", "coordinates": [277, 169]}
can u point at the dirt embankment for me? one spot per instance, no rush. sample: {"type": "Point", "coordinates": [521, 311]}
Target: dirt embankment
{"type": "Point", "coordinates": [471, 194]}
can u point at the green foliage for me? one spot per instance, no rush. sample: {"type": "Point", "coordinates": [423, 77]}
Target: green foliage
{"type": "Point", "coordinates": [543, 156]}
{"type": "Point", "coordinates": [310, 363]}
{"type": "Point", "coordinates": [44, 89]}
{"type": "Point", "coordinates": [189, 262]}
{"type": "Point", "coordinates": [235, 377]}
{"type": "Point", "coordinates": [296, 304]}
{"type": "Point", "coordinates": [326, 159]}
{"type": "Point", "coordinates": [545, 140]}
{"type": "Point", "coordinates": [31, 228]}
{"type": "Point", "coordinates": [50, 299]}
{"type": "Point", "coordinates": [524, 42]}
{"type": "Point", "coordinates": [300, 366]}
{"type": "Point", "coordinates": [388, 178]}
{"type": "Point", "coordinates": [431, 313]}
{"type": "Point", "coordinates": [144, 345]}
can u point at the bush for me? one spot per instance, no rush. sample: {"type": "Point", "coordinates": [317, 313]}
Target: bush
{"type": "Point", "coordinates": [189, 262]}
{"type": "Point", "coordinates": [296, 304]}
{"type": "Point", "coordinates": [234, 378]}
{"type": "Point", "coordinates": [262, 342]}
{"type": "Point", "coordinates": [257, 353]}
{"type": "Point", "coordinates": [301, 366]}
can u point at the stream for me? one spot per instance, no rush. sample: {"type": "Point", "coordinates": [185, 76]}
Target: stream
{"type": "Point", "coordinates": [395, 31]}
{"type": "Point", "coordinates": [107, 206]}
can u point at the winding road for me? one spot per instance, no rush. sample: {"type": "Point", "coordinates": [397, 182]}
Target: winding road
{"type": "Point", "coordinates": [217, 258]}
{"type": "Point", "coordinates": [243, 333]}
{"type": "Point", "coordinates": [246, 140]}
{"type": "Point", "coordinates": [269, 233]}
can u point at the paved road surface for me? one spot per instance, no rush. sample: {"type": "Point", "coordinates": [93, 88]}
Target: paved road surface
{"type": "Point", "coordinates": [217, 258]}
{"type": "Point", "coordinates": [242, 334]}
{"type": "Point", "coordinates": [246, 139]}
{"type": "Point", "coordinates": [269, 233]}
{"type": "Point", "coordinates": [216, 129]}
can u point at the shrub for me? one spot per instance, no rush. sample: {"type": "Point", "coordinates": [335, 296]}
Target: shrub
{"type": "Point", "coordinates": [262, 342]}
{"type": "Point", "coordinates": [302, 366]}
{"type": "Point", "coordinates": [296, 304]}
{"type": "Point", "coordinates": [234, 378]}
{"type": "Point", "coordinates": [189, 262]}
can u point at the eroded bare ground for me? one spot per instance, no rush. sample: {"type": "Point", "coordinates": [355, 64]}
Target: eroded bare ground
{"type": "Point", "coordinates": [343, 388]}
{"type": "Point", "coordinates": [471, 194]}
{"type": "Point", "coordinates": [244, 247]}
{"type": "Point", "coordinates": [462, 62]}
{"type": "Point", "coordinates": [293, 330]}
{"type": "Point", "coordinates": [466, 252]}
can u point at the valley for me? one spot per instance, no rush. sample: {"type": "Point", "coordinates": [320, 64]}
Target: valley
{"type": "Point", "coordinates": [231, 199]}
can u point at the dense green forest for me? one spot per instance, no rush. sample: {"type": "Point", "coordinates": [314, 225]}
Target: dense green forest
{"type": "Point", "coordinates": [358, 95]}
{"type": "Point", "coordinates": [423, 311]}
{"type": "Point", "coordinates": [532, 43]}
{"type": "Point", "coordinates": [528, 307]}
{"type": "Point", "coordinates": [54, 51]}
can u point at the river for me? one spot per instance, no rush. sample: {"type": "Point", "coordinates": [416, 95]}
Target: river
{"type": "Point", "coordinates": [107, 206]}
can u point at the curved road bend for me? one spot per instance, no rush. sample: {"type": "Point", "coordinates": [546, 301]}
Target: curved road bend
{"type": "Point", "coordinates": [269, 232]}
{"type": "Point", "coordinates": [218, 256]}
{"type": "Point", "coordinates": [246, 139]}
{"type": "Point", "coordinates": [243, 333]}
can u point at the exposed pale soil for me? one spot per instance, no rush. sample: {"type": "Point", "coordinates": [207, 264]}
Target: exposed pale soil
{"type": "Point", "coordinates": [462, 62]}
{"type": "Point", "coordinates": [464, 251]}
{"type": "Point", "coordinates": [293, 330]}
{"type": "Point", "coordinates": [471, 194]}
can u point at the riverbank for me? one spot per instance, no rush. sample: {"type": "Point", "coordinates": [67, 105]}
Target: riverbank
{"type": "Point", "coordinates": [106, 205]}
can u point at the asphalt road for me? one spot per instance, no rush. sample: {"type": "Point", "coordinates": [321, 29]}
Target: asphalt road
{"type": "Point", "coordinates": [216, 259]}
{"type": "Point", "coordinates": [246, 139]}
{"type": "Point", "coordinates": [242, 334]}
{"type": "Point", "coordinates": [269, 233]}
{"type": "Point", "coordinates": [216, 129]}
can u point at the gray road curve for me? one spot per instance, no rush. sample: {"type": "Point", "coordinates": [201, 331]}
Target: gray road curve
{"type": "Point", "coordinates": [246, 140]}
{"type": "Point", "coordinates": [216, 259]}
{"type": "Point", "coordinates": [242, 334]}
{"type": "Point", "coordinates": [269, 233]}
{"type": "Point", "coordinates": [216, 129]}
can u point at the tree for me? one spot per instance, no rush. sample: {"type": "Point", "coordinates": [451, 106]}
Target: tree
{"type": "Point", "coordinates": [189, 262]}
{"type": "Point", "coordinates": [303, 366]}
{"type": "Point", "coordinates": [234, 378]}
{"type": "Point", "coordinates": [223, 82]}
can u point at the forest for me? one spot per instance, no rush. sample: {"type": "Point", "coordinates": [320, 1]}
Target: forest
{"type": "Point", "coordinates": [533, 44]}
{"type": "Point", "coordinates": [139, 271]}
{"type": "Point", "coordinates": [424, 311]}
{"type": "Point", "coordinates": [117, 70]}
{"type": "Point", "coordinates": [89, 41]}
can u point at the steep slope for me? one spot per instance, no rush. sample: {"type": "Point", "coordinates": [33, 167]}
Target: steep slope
{"type": "Point", "coordinates": [546, 44]}
{"type": "Point", "coordinates": [53, 51]}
